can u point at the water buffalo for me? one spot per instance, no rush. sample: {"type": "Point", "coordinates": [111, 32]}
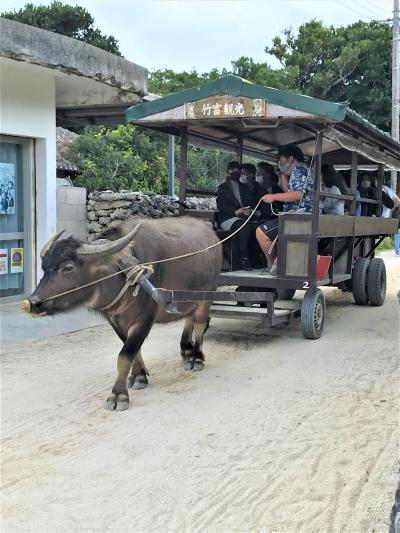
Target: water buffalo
{"type": "Point", "coordinates": [69, 263]}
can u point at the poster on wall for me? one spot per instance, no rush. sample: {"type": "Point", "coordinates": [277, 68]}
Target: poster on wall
{"type": "Point", "coordinates": [17, 260]}
{"type": "Point", "coordinates": [3, 261]}
{"type": "Point", "coordinates": [7, 189]}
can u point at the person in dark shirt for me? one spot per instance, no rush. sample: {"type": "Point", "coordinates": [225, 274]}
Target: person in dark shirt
{"type": "Point", "coordinates": [269, 182]}
{"type": "Point", "coordinates": [367, 189]}
{"type": "Point", "coordinates": [235, 202]}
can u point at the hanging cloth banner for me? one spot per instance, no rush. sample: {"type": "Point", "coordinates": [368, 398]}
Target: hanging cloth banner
{"type": "Point", "coordinates": [355, 145]}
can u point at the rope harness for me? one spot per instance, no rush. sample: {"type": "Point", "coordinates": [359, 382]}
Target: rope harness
{"type": "Point", "coordinates": [131, 281]}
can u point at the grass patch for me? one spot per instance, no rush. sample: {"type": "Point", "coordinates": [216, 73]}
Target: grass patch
{"type": "Point", "coordinates": [386, 245]}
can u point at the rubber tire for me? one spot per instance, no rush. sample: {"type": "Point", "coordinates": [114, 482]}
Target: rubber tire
{"type": "Point", "coordinates": [313, 303]}
{"type": "Point", "coordinates": [286, 294]}
{"type": "Point", "coordinates": [376, 281]}
{"type": "Point", "coordinates": [359, 281]}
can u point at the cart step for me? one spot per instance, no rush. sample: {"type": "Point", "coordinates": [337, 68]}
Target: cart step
{"type": "Point", "coordinates": [236, 311]}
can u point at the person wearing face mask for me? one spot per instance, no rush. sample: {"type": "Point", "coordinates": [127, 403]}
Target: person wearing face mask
{"type": "Point", "coordinates": [367, 189]}
{"type": "Point", "coordinates": [235, 202]}
{"type": "Point", "coordinates": [297, 186]}
{"type": "Point", "coordinates": [266, 177]}
{"type": "Point", "coordinates": [248, 176]}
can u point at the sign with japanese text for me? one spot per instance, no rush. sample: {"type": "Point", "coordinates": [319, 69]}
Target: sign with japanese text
{"type": "Point", "coordinates": [225, 107]}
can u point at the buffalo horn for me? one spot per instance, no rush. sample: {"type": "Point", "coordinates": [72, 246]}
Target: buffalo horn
{"type": "Point", "coordinates": [50, 243]}
{"type": "Point", "coordinates": [90, 252]}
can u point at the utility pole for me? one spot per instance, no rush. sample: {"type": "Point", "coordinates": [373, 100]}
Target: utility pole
{"type": "Point", "coordinates": [395, 82]}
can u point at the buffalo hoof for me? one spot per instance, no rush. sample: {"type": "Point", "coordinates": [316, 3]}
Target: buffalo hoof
{"type": "Point", "coordinates": [198, 365]}
{"type": "Point", "coordinates": [137, 382]}
{"type": "Point", "coordinates": [138, 385]}
{"type": "Point", "coordinates": [188, 364]}
{"type": "Point", "coordinates": [194, 363]}
{"type": "Point", "coordinates": [117, 402]}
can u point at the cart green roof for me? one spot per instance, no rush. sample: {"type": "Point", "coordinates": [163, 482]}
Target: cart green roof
{"type": "Point", "coordinates": [235, 86]}
{"type": "Point", "coordinates": [308, 114]}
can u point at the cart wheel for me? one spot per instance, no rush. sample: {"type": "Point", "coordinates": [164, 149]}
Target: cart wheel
{"type": "Point", "coordinates": [286, 294]}
{"type": "Point", "coordinates": [376, 281]}
{"type": "Point", "coordinates": [313, 314]}
{"type": "Point", "coordinates": [359, 281]}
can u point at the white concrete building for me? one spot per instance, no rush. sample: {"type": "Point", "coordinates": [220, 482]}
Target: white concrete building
{"type": "Point", "coordinates": [47, 79]}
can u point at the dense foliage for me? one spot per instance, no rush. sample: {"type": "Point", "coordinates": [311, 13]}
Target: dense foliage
{"type": "Point", "coordinates": [119, 158]}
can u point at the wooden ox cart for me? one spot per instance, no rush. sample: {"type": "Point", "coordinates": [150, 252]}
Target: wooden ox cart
{"type": "Point", "coordinates": [233, 114]}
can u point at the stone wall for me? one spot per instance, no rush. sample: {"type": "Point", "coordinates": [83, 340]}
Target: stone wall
{"type": "Point", "coordinates": [107, 209]}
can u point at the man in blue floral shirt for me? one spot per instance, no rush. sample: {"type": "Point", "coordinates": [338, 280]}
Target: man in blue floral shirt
{"type": "Point", "coordinates": [297, 185]}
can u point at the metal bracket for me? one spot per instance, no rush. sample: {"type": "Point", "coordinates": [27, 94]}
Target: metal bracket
{"type": "Point", "coordinates": [168, 299]}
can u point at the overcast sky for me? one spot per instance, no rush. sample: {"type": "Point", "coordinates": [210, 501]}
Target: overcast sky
{"type": "Point", "coordinates": [202, 34]}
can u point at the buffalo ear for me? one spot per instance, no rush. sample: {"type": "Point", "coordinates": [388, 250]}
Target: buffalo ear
{"type": "Point", "coordinates": [93, 252]}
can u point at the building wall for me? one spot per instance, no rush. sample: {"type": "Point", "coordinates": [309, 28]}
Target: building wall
{"type": "Point", "coordinates": [71, 211]}
{"type": "Point", "coordinates": [28, 109]}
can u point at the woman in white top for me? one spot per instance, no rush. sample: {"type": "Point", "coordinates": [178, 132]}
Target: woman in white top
{"type": "Point", "coordinates": [330, 206]}
{"type": "Point", "coordinates": [386, 211]}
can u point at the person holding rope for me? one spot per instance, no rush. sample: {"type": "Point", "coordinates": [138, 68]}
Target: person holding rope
{"type": "Point", "coordinates": [297, 186]}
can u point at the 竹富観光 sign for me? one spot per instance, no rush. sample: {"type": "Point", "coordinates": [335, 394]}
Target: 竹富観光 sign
{"type": "Point", "coordinates": [225, 107]}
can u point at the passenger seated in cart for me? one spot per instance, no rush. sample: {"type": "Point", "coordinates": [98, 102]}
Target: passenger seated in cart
{"type": "Point", "coordinates": [248, 177]}
{"type": "Point", "coordinates": [337, 179]}
{"type": "Point", "coordinates": [297, 186]}
{"type": "Point", "coordinates": [330, 206]}
{"type": "Point", "coordinates": [269, 182]}
{"type": "Point", "coordinates": [266, 176]}
{"type": "Point", "coordinates": [368, 190]}
{"type": "Point", "coordinates": [235, 202]}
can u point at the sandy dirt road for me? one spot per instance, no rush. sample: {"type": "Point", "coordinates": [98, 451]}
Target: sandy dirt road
{"type": "Point", "coordinates": [277, 433]}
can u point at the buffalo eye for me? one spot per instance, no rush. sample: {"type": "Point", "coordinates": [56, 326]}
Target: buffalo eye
{"type": "Point", "coordinates": [67, 267]}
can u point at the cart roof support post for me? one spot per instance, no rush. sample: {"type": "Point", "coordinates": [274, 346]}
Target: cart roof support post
{"type": "Point", "coordinates": [353, 181]}
{"type": "Point", "coordinates": [379, 185]}
{"type": "Point", "coordinates": [313, 248]}
{"type": "Point", "coordinates": [183, 168]}
{"type": "Point", "coordinates": [239, 152]}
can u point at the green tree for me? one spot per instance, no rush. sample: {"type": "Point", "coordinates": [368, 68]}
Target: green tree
{"type": "Point", "coordinates": [166, 81]}
{"type": "Point", "coordinates": [349, 64]}
{"type": "Point", "coordinates": [264, 74]}
{"type": "Point", "coordinates": [73, 21]}
{"type": "Point", "coordinates": [119, 158]}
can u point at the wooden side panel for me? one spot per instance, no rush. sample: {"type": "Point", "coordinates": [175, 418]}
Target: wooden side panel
{"type": "Point", "coordinates": [297, 258]}
{"type": "Point", "coordinates": [335, 226]}
{"type": "Point", "coordinates": [375, 226]}
{"type": "Point", "coordinates": [297, 227]}
{"type": "Point", "coordinates": [346, 226]}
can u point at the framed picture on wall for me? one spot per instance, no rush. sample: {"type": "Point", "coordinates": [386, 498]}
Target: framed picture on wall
{"type": "Point", "coordinates": [7, 189]}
